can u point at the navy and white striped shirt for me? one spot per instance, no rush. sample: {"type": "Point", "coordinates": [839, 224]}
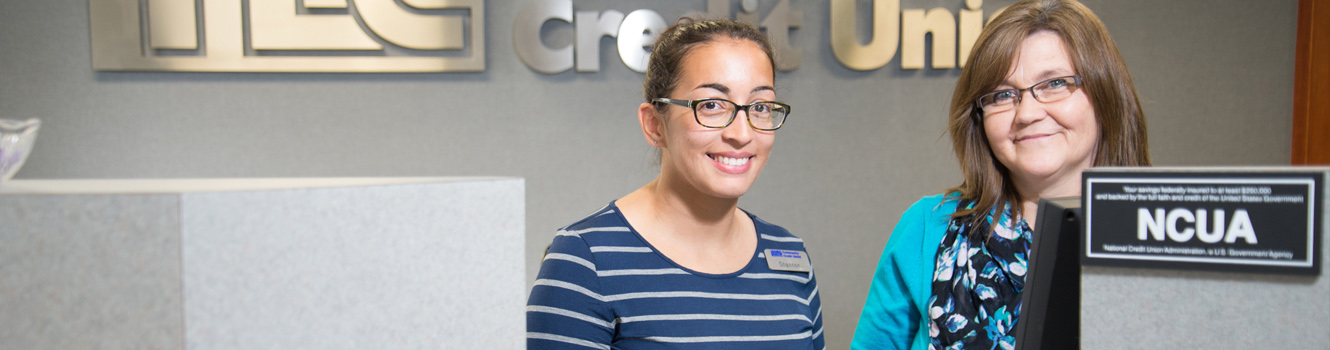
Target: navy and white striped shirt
{"type": "Point", "coordinates": [601, 286]}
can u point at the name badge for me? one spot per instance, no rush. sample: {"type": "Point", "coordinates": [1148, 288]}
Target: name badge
{"type": "Point", "coordinates": [788, 260]}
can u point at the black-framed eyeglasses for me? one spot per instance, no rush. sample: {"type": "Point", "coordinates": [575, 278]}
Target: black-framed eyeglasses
{"type": "Point", "coordinates": [1051, 90]}
{"type": "Point", "coordinates": [719, 113]}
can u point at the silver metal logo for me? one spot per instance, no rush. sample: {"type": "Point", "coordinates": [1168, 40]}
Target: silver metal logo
{"type": "Point", "coordinates": [288, 35]}
{"type": "Point", "coordinates": [634, 33]}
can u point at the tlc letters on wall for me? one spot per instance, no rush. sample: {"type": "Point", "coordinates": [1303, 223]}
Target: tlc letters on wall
{"type": "Point", "coordinates": [448, 35]}
{"type": "Point", "coordinates": [320, 36]}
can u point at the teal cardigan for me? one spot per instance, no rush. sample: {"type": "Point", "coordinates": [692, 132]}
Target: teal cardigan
{"type": "Point", "coordinates": [895, 316]}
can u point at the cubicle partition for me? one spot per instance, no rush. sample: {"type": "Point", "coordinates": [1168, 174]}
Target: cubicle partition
{"type": "Point", "coordinates": [347, 263]}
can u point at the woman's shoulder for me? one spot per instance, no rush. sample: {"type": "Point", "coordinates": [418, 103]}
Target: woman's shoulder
{"type": "Point", "coordinates": [774, 233]}
{"type": "Point", "coordinates": [605, 216]}
{"type": "Point", "coordinates": [942, 204]}
{"type": "Point", "coordinates": [925, 220]}
{"type": "Point", "coordinates": [603, 226]}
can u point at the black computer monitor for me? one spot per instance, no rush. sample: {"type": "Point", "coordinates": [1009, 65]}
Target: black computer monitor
{"type": "Point", "coordinates": [1051, 302]}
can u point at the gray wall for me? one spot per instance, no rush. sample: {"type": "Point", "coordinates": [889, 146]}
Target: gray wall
{"type": "Point", "coordinates": [1215, 78]}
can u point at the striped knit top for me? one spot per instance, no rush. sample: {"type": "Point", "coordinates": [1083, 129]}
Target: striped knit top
{"type": "Point", "coordinates": [601, 286]}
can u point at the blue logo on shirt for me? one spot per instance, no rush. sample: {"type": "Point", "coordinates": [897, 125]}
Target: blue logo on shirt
{"type": "Point", "coordinates": [784, 254]}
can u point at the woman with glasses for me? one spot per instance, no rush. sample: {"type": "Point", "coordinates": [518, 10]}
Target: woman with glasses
{"type": "Point", "coordinates": [1044, 96]}
{"type": "Point", "coordinates": [676, 264]}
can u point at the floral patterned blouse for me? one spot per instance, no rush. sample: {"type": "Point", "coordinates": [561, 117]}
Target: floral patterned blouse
{"type": "Point", "coordinates": [977, 283]}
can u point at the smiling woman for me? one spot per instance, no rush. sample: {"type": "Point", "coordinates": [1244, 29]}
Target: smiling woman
{"type": "Point", "coordinates": [1045, 95]}
{"type": "Point", "coordinates": [1046, 141]}
{"type": "Point", "coordinates": [703, 150]}
{"type": "Point", "coordinates": [676, 263]}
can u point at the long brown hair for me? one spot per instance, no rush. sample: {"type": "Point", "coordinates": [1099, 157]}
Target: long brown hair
{"type": "Point", "coordinates": [1106, 81]}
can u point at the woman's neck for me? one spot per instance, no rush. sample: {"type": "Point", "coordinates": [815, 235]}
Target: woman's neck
{"type": "Point", "coordinates": [1031, 190]}
{"type": "Point", "coordinates": [682, 210]}
{"type": "Point", "coordinates": [703, 234]}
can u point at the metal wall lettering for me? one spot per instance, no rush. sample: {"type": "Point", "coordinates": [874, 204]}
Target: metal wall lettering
{"type": "Point", "coordinates": [633, 33]}
{"type": "Point", "coordinates": [882, 47]}
{"type": "Point", "coordinates": [892, 26]}
{"type": "Point", "coordinates": [639, 30]}
{"type": "Point", "coordinates": [430, 36]}
{"type": "Point", "coordinates": [448, 35]}
{"type": "Point", "coordinates": [779, 22]}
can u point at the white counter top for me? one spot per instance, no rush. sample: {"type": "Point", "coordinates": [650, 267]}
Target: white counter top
{"type": "Point", "coordinates": [126, 186]}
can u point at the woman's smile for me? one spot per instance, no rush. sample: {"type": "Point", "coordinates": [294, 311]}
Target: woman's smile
{"type": "Point", "coordinates": [732, 163]}
{"type": "Point", "coordinates": [1034, 137]}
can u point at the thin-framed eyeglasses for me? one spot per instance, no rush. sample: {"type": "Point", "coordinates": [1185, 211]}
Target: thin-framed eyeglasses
{"type": "Point", "coordinates": [718, 113]}
{"type": "Point", "coordinates": [1051, 90]}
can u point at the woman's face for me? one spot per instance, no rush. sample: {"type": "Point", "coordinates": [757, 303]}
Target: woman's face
{"type": "Point", "coordinates": [724, 162]}
{"type": "Point", "coordinates": [1043, 144]}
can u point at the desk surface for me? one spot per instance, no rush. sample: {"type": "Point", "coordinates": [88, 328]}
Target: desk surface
{"type": "Point", "coordinates": [149, 186]}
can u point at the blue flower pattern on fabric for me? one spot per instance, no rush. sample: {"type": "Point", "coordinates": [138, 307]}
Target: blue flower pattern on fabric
{"type": "Point", "coordinates": [977, 283]}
